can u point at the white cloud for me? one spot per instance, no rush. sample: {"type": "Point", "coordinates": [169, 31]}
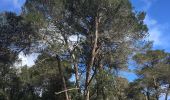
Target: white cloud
{"type": "Point", "coordinates": [150, 22]}
{"type": "Point", "coordinates": [155, 35]}
{"type": "Point", "coordinates": [147, 4]}
{"type": "Point", "coordinates": [157, 32]}
{"type": "Point", "coordinates": [16, 3]}
{"type": "Point", "coordinates": [24, 60]}
{"type": "Point", "coordinates": [27, 59]}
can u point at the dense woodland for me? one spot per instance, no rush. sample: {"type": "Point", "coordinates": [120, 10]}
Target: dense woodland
{"type": "Point", "coordinates": [83, 46]}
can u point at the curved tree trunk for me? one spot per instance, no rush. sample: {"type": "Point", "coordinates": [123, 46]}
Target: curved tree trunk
{"type": "Point", "coordinates": [77, 77]}
{"type": "Point", "coordinates": [62, 76]}
{"type": "Point", "coordinates": [147, 95]}
{"type": "Point", "coordinates": [156, 86]}
{"type": "Point", "coordinates": [167, 93]}
{"type": "Point", "coordinates": [91, 61]}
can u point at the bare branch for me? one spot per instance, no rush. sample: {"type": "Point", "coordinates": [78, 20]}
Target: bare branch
{"type": "Point", "coordinates": [57, 93]}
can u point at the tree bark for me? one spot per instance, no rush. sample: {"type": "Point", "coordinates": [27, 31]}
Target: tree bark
{"type": "Point", "coordinates": [77, 77]}
{"type": "Point", "coordinates": [91, 61]}
{"type": "Point", "coordinates": [75, 64]}
{"type": "Point", "coordinates": [62, 76]}
{"type": "Point", "coordinates": [147, 95]}
{"type": "Point", "coordinates": [167, 93]}
{"type": "Point", "coordinates": [156, 88]}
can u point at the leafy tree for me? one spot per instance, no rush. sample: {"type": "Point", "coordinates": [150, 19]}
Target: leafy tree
{"type": "Point", "coordinates": [106, 33]}
{"type": "Point", "coordinates": [9, 84]}
{"type": "Point", "coordinates": [28, 88]}
{"type": "Point", "coordinates": [16, 35]}
{"type": "Point", "coordinates": [152, 69]}
{"type": "Point", "coordinates": [106, 87]}
{"type": "Point", "coordinates": [47, 78]}
{"type": "Point", "coordinates": [135, 91]}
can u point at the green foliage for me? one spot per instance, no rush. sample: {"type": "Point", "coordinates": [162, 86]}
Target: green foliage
{"type": "Point", "coordinates": [114, 25]}
{"type": "Point", "coordinates": [44, 76]}
{"type": "Point", "coordinates": [153, 65]}
{"type": "Point", "coordinates": [134, 91]}
{"type": "Point", "coordinates": [94, 39]}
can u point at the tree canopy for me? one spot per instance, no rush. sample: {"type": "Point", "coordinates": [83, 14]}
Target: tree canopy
{"type": "Point", "coordinates": [83, 46]}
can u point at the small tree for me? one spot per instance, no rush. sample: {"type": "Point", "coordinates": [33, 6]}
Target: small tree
{"type": "Point", "coordinates": [152, 68]}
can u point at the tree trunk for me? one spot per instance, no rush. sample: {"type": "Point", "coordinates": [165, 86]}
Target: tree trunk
{"type": "Point", "coordinates": [75, 64]}
{"type": "Point", "coordinates": [77, 77]}
{"type": "Point", "coordinates": [147, 96]}
{"type": "Point", "coordinates": [62, 76]}
{"type": "Point", "coordinates": [91, 61]}
{"type": "Point", "coordinates": [167, 93]}
{"type": "Point", "coordinates": [157, 97]}
{"type": "Point", "coordinates": [156, 88]}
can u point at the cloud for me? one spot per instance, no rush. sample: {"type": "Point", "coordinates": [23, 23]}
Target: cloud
{"type": "Point", "coordinates": [150, 22]}
{"type": "Point", "coordinates": [157, 33]}
{"type": "Point", "coordinates": [17, 3]}
{"type": "Point", "coordinates": [27, 59]}
{"type": "Point", "coordinates": [154, 30]}
{"type": "Point", "coordinates": [147, 4]}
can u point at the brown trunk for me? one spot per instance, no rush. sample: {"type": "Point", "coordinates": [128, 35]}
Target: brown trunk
{"type": "Point", "coordinates": [156, 88]}
{"type": "Point", "coordinates": [77, 77]}
{"type": "Point", "coordinates": [147, 96]}
{"type": "Point", "coordinates": [167, 93]}
{"type": "Point", "coordinates": [91, 61]}
{"type": "Point", "coordinates": [76, 72]}
{"type": "Point", "coordinates": [62, 76]}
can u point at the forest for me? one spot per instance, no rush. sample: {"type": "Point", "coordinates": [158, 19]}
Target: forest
{"type": "Point", "coordinates": [83, 46]}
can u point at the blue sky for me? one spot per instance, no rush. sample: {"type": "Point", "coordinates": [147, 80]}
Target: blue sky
{"type": "Point", "coordinates": [11, 5]}
{"type": "Point", "coordinates": [157, 18]}
{"type": "Point", "coordinates": [158, 21]}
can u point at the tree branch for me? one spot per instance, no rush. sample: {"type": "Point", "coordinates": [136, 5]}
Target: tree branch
{"type": "Point", "coordinates": [57, 93]}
